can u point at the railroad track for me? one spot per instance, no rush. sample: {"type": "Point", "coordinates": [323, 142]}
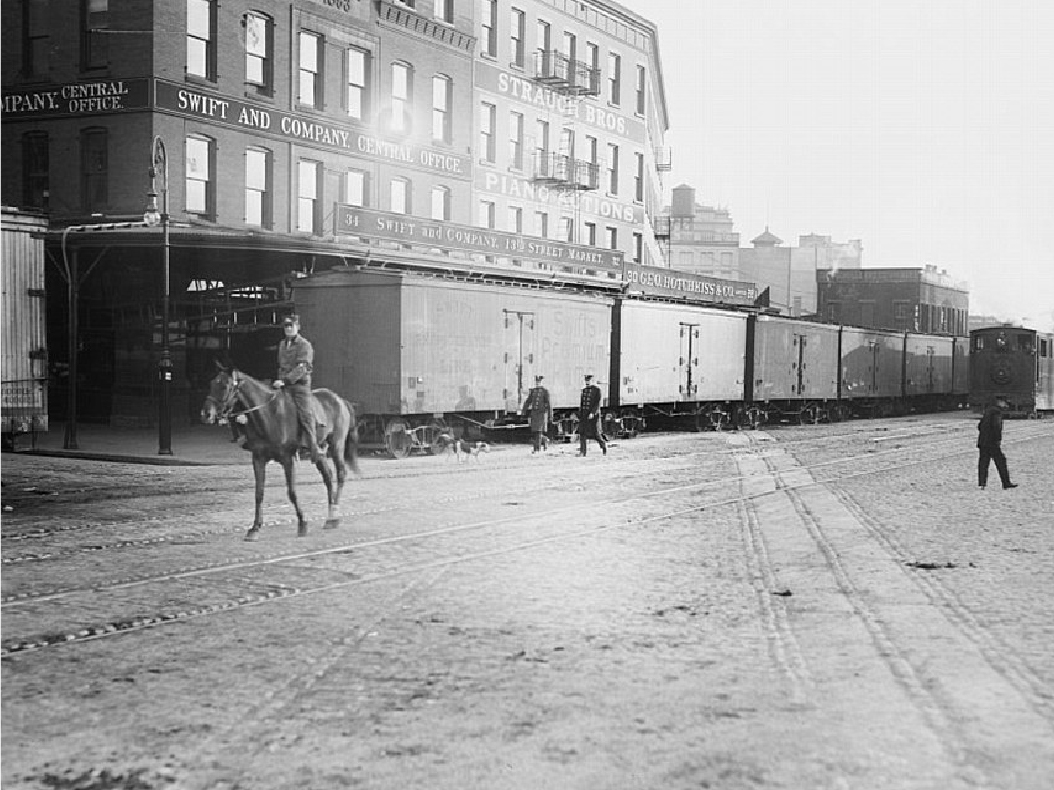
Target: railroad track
{"type": "Point", "coordinates": [117, 606]}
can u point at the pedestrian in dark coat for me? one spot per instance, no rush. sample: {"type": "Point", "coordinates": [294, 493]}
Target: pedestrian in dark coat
{"type": "Point", "coordinates": [539, 409]}
{"type": "Point", "coordinates": [989, 441]}
{"type": "Point", "coordinates": [589, 417]}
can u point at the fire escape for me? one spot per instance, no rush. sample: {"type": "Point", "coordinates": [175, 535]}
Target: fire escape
{"type": "Point", "coordinates": [660, 223]}
{"type": "Point", "coordinates": [559, 169]}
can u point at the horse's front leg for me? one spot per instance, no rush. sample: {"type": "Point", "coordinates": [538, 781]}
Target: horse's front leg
{"type": "Point", "coordinates": [260, 473]}
{"type": "Point", "coordinates": [333, 488]}
{"type": "Point", "coordinates": [289, 464]}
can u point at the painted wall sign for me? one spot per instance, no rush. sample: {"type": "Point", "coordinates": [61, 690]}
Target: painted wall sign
{"type": "Point", "coordinates": [298, 128]}
{"type": "Point", "coordinates": [352, 220]}
{"type": "Point", "coordinates": [588, 203]}
{"type": "Point", "coordinates": [693, 287]}
{"type": "Point", "coordinates": [589, 112]}
{"type": "Point", "coordinates": [78, 98]}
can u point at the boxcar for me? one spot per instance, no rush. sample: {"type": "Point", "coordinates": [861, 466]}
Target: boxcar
{"type": "Point", "coordinates": [929, 372]}
{"type": "Point", "coordinates": [872, 370]}
{"type": "Point", "coordinates": [675, 363]}
{"type": "Point", "coordinates": [1004, 364]}
{"type": "Point", "coordinates": [412, 350]}
{"type": "Point", "coordinates": [25, 359]}
{"type": "Point", "coordinates": [793, 370]}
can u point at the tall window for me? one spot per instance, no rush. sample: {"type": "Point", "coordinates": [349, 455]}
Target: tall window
{"type": "Point", "coordinates": [638, 247]}
{"type": "Point", "coordinates": [440, 202]}
{"type": "Point", "coordinates": [515, 219]}
{"type": "Point", "coordinates": [198, 186]}
{"type": "Point", "coordinates": [593, 56]}
{"type": "Point", "coordinates": [95, 21]}
{"type": "Point", "coordinates": [201, 39]}
{"type": "Point", "coordinates": [310, 69]}
{"type": "Point", "coordinates": [638, 178]}
{"type": "Point", "coordinates": [356, 188]}
{"type": "Point", "coordinates": [567, 229]}
{"type": "Point", "coordinates": [308, 217]}
{"type": "Point", "coordinates": [444, 10]}
{"type": "Point", "coordinates": [541, 224]}
{"type": "Point", "coordinates": [488, 39]}
{"type": "Point", "coordinates": [402, 95]}
{"type": "Point", "coordinates": [612, 169]}
{"type": "Point", "coordinates": [259, 51]}
{"type": "Point", "coordinates": [612, 238]}
{"type": "Point", "coordinates": [641, 89]}
{"type": "Point", "coordinates": [258, 187]}
{"type": "Point", "coordinates": [442, 94]}
{"type": "Point", "coordinates": [516, 140]}
{"type": "Point", "coordinates": [517, 28]}
{"type": "Point", "coordinates": [614, 78]}
{"type": "Point", "coordinates": [94, 170]}
{"type": "Point", "coordinates": [590, 234]}
{"type": "Point", "coordinates": [399, 199]}
{"type": "Point", "coordinates": [567, 142]}
{"type": "Point", "coordinates": [486, 214]}
{"type": "Point", "coordinates": [357, 91]}
{"type": "Point", "coordinates": [486, 126]}
{"type": "Point", "coordinates": [591, 149]}
{"type": "Point", "coordinates": [570, 46]}
{"type": "Point", "coordinates": [541, 140]}
{"type": "Point", "coordinates": [36, 169]}
{"type": "Point", "coordinates": [544, 41]}
{"type": "Point", "coordinates": [35, 38]}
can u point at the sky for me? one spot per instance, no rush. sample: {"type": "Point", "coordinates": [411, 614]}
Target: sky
{"type": "Point", "coordinates": [924, 129]}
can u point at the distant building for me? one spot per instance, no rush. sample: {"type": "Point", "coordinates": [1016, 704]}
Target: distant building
{"type": "Point", "coordinates": [702, 239]}
{"type": "Point", "coordinates": [790, 272]}
{"type": "Point", "coordinates": [912, 299]}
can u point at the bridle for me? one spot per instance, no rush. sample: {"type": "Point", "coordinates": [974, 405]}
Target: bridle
{"type": "Point", "coordinates": [225, 408]}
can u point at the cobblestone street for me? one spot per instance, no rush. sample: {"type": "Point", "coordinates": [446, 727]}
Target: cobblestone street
{"type": "Point", "coordinates": [830, 606]}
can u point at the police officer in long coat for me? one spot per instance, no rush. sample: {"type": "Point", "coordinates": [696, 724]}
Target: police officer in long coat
{"type": "Point", "coordinates": [539, 409]}
{"type": "Point", "coordinates": [296, 357]}
{"type": "Point", "coordinates": [589, 417]}
{"type": "Point", "coordinates": [989, 441]}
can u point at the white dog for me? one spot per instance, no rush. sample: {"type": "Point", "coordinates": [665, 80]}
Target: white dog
{"type": "Point", "coordinates": [463, 449]}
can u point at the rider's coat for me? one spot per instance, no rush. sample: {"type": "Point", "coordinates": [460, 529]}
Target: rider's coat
{"type": "Point", "coordinates": [296, 357]}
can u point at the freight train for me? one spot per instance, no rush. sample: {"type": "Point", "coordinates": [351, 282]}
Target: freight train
{"type": "Point", "coordinates": [1015, 364]}
{"type": "Point", "coordinates": [426, 354]}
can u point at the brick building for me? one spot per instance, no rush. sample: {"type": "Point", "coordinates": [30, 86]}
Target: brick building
{"type": "Point", "coordinates": [271, 114]}
{"type": "Point", "coordinates": [913, 299]}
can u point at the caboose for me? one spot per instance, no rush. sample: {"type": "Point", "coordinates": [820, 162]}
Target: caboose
{"type": "Point", "coordinates": [1009, 362]}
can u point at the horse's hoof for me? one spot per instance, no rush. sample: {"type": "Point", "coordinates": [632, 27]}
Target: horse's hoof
{"type": "Point", "coordinates": [252, 534]}
{"type": "Point", "coordinates": [331, 523]}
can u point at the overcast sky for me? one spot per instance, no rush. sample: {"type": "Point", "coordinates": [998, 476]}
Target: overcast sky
{"type": "Point", "coordinates": [923, 128]}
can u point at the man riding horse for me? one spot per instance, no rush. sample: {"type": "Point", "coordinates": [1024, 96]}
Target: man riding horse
{"type": "Point", "coordinates": [296, 357]}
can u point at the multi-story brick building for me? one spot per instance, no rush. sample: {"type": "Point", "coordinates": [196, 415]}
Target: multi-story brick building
{"type": "Point", "coordinates": [273, 112]}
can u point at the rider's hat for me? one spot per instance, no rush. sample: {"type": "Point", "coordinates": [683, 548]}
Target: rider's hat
{"type": "Point", "coordinates": [291, 320]}
{"type": "Point", "coordinates": [589, 376]}
{"type": "Point", "coordinates": [538, 378]}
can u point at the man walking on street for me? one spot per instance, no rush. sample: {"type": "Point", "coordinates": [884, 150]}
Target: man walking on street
{"type": "Point", "coordinates": [540, 411]}
{"type": "Point", "coordinates": [589, 417]}
{"type": "Point", "coordinates": [989, 441]}
{"type": "Point", "coordinates": [296, 356]}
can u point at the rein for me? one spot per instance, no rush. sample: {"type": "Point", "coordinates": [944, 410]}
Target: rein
{"type": "Point", "coordinates": [227, 407]}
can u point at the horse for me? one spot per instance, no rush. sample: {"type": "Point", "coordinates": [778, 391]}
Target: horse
{"type": "Point", "coordinates": [270, 425]}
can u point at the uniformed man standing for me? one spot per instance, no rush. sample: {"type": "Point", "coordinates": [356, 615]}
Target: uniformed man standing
{"type": "Point", "coordinates": [989, 444]}
{"type": "Point", "coordinates": [296, 357]}
{"type": "Point", "coordinates": [589, 417]}
{"type": "Point", "coordinates": [540, 411]}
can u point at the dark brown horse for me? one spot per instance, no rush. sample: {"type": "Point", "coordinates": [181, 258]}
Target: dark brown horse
{"type": "Point", "coordinates": [268, 418]}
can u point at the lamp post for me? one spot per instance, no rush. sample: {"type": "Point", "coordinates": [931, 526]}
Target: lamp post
{"type": "Point", "coordinates": [152, 217]}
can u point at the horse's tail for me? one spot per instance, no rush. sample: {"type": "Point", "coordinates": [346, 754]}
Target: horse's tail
{"type": "Point", "coordinates": [351, 439]}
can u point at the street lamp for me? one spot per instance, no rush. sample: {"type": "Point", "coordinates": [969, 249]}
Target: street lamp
{"type": "Point", "coordinates": [159, 167]}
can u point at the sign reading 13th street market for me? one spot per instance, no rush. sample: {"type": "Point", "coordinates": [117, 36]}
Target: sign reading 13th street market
{"type": "Point", "coordinates": [387, 225]}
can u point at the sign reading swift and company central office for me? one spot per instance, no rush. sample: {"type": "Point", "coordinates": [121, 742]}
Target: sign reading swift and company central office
{"type": "Point", "coordinates": [355, 221]}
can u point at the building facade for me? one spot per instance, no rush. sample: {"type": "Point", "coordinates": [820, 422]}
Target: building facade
{"type": "Point", "coordinates": [273, 113]}
{"type": "Point", "coordinates": [921, 299]}
{"type": "Point", "coordinates": [702, 239]}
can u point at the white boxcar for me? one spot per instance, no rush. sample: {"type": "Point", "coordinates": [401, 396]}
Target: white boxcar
{"type": "Point", "coordinates": [25, 359]}
{"type": "Point", "coordinates": [673, 354]}
{"type": "Point", "coordinates": [794, 361]}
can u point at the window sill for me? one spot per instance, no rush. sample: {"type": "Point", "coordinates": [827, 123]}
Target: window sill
{"type": "Point", "coordinates": [488, 56]}
{"type": "Point", "coordinates": [252, 92]}
{"type": "Point", "coordinates": [203, 82]}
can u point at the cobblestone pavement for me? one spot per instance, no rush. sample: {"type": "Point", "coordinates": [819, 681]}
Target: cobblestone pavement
{"type": "Point", "coordinates": [831, 606]}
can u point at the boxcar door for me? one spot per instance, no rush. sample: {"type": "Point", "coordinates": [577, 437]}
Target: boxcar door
{"type": "Point", "coordinates": [519, 357]}
{"type": "Point", "coordinates": [688, 364]}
